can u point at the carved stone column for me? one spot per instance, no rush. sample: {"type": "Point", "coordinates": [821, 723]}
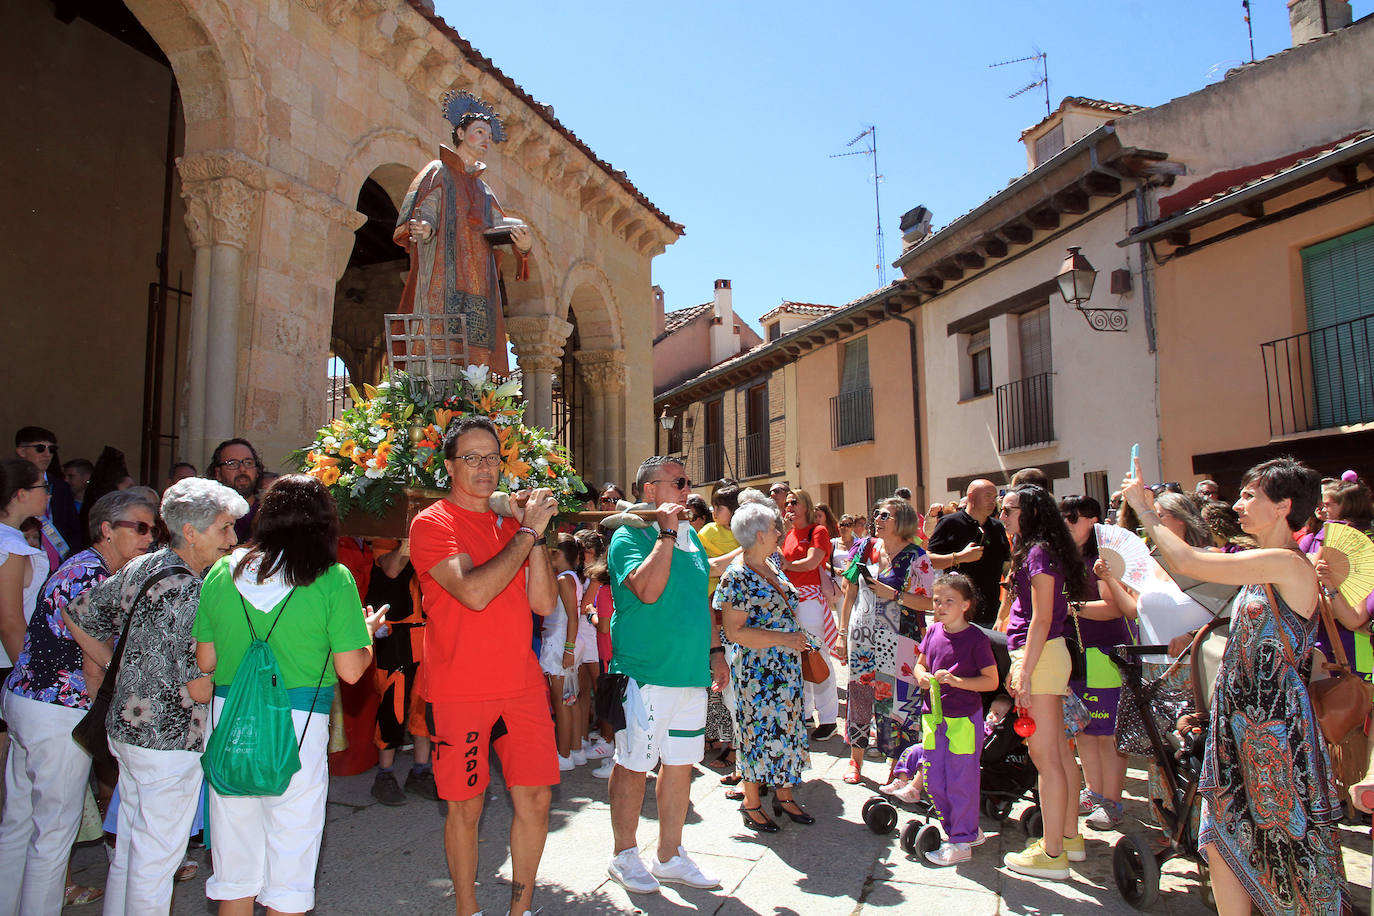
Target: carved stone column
{"type": "Point", "coordinates": [538, 341]}
{"type": "Point", "coordinates": [192, 446]}
{"type": "Point", "coordinates": [603, 380]}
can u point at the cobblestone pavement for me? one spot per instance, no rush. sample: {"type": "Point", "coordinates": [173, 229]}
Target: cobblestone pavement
{"type": "Point", "coordinates": [391, 861]}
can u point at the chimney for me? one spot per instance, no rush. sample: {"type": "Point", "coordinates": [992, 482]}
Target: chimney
{"type": "Point", "coordinates": [915, 226]}
{"type": "Point", "coordinates": [724, 338]}
{"type": "Point", "coordinates": [1310, 19]}
{"type": "Point", "coordinates": [660, 320]}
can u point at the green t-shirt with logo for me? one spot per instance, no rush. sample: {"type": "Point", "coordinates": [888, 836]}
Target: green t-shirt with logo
{"type": "Point", "coordinates": [317, 620]}
{"type": "Point", "coordinates": [667, 643]}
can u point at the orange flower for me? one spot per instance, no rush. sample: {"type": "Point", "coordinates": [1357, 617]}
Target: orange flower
{"type": "Point", "coordinates": [515, 467]}
{"type": "Point", "coordinates": [329, 476]}
{"type": "Point", "coordinates": [442, 418]}
{"type": "Point", "coordinates": [487, 403]}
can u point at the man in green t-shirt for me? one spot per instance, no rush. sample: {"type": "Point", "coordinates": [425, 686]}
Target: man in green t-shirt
{"type": "Point", "coordinates": [669, 653]}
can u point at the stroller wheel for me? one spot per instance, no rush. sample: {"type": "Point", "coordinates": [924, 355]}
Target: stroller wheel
{"type": "Point", "coordinates": [1136, 871]}
{"type": "Point", "coordinates": [1032, 822]}
{"type": "Point", "coordinates": [918, 839]}
{"type": "Point", "coordinates": [997, 808]}
{"type": "Point", "coordinates": [879, 816]}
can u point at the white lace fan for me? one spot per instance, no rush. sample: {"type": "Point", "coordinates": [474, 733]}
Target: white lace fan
{"type": "Point", "coordinates": [1125, 553]}
{"type": "Point", "coordinates": [1350, 554]}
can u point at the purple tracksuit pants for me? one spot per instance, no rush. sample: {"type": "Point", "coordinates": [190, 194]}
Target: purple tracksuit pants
{"type": "Point", "coordinates": [952, 782]}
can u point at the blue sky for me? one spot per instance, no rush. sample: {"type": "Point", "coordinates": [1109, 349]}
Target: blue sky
{"type": "Point", "coordinates": [725, 115]}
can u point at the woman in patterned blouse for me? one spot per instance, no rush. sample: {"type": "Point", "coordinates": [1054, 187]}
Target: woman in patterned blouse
{"type": "Point", "coordinates": [45, 697]}
{"type": "Point", "coordinates": [156, 729]}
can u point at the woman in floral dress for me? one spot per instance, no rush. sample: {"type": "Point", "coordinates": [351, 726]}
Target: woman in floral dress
{"type": "Point", "coordinates": [1270, 805]}
{"type": "Point", "coordinates": [759, 610]}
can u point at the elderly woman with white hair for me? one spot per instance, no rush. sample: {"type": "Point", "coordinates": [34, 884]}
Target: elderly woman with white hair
{"type": "Point", "coordinates": [156, 729]}
{"type": "Point", "coordinates": [759, 609]}
{"type": "Point", "coordinates": [45, 697]}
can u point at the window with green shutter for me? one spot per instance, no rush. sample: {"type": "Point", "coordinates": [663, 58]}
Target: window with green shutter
{"type": "Point", "coordinates": [1338, 283]}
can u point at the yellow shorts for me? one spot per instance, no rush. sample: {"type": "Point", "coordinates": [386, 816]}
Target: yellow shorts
{"type": "Point", "coordinates": [1051, 674]}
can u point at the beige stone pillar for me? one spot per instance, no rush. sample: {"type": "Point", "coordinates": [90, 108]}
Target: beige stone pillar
{"type": "Point", "coordinates": [603, 382]}
{"type": "Point", "coordinates": [538, 341]}
{"type": "Point", "coordinates": [219, 214]}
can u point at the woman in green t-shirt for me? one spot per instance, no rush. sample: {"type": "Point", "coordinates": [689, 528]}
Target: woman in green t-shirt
{"type": "Point", "coordinates": [285, 586]}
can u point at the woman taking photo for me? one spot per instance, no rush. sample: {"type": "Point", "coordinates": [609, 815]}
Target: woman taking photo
{"type": "Point", "coordinates": [760, 610]}
{"type": "Point", "coordinates": [267, 847]}
{"type": "Point", "coordinates": [805, 546]}
{"type": "Point", "coordinates": [1046, 568]}
{"type": "Point", "coordinates": [155, 730]}
{"type": "Point", "coordinates": [1270, 807]}
{"type": "Point", "coordinates": [45, 698]}
{"type": "Point", "coordinates": [876, 610]}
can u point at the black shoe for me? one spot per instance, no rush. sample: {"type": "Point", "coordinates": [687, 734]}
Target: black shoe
{"type": "Point", "coordinates": [823, 731]}
{"type": "Point", "coordinates": [800, 817]}
{"type": "Point", "coordinates": [422, 784]}
{"type": "Point", "coordinates": [386, 791]}
{"type": "Point", "coordinates": [763, 826]}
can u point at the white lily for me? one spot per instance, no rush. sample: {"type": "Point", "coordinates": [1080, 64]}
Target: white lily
{"type": "Point", "coordinates": [476, 376]}
{"type": "Point", "coordinates": [509, 389]}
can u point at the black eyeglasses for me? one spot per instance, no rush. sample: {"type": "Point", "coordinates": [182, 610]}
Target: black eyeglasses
{"type": "Point", "coordinates": [41, 448]}
{"type": "Point", "coordinates": [44, 485]}
{"type": "Point", "coordinates": [234, 464]}
{"type": "Point", "coordinates": [139, 528]}
{"type": "Point", "coordinates": [680, 483]}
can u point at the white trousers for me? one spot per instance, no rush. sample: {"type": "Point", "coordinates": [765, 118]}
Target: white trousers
{"type": "Point", "coordinates": [157, 802]}
{"type": "Point", "coordinates": [268, 846]}
{"type": "Point", "coordinates": [822, 698]}
{"type": "Point", "coordinates": [45, 786]}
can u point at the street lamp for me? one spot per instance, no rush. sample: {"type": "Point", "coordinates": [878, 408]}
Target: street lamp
{"type": "Point", "coordinates": [1076, 278]}
{"type": "Point", "coordinates": [667, 420]}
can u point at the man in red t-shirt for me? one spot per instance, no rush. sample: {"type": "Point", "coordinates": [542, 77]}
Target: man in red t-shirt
{"type": "Point", "coordinates": [481, 575]}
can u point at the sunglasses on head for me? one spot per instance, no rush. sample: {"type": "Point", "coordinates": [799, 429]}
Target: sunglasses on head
{"type": "Point", "coordinates": [138, 528]}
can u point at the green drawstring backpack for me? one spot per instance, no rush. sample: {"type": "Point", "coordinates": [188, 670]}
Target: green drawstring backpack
{"type": "Point", "coordinates": [253, 749]}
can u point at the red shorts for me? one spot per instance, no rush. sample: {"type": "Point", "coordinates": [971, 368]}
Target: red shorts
{"type": "Point", "coordinates": [464, 732]}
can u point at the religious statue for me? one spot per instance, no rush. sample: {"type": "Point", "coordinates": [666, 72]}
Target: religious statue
{"type": "Point", "coordinates": [449, 223]}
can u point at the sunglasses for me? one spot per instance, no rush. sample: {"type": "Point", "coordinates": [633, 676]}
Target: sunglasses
{"type": "Point", "coordinates": [882, 516]}
{"type": "Point", "coordinates": [680, 483]}
{"type": "Point", "coordinates": [41, 448]}
{"type": "Point", "coordinates": [139, 528]}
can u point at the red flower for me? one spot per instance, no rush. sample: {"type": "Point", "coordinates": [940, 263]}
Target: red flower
{"type": "Point", "coordinates": [882, 691]}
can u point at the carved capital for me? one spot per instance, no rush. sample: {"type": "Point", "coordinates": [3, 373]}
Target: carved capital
{"type": "Point", "coordinates": [231, 205]}
{"type": "Point", "coordinates": [602, 370]}
{"type": "Point", "coordinates": [197, 216]}
{"type": "Point", "coordinates": [538, 340]}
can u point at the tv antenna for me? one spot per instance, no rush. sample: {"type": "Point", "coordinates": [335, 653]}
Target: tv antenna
{"type": "Point", "coordinates": [1043, 59]}
{"type": "Point", "coordinates": [1249, 27]}
{"type": "Point", "coordinates": [871, 149]}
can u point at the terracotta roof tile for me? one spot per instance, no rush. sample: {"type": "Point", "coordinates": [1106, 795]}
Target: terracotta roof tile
{"type": "Point", "coordinates": [809, 309]}
{"type": "Point", "coordinates": [1079, 101]}
{"type": "Point", "coordinates": [544, 111]}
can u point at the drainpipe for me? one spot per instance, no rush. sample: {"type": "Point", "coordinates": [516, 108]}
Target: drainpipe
{"type": "Point", "coordinates": [894, 312]}
{"type": "Point", "coordinates": [1147, 298]}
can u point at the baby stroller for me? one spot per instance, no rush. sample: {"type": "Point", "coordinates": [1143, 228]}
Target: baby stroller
{"type": "Point", "coordinates": [1137, 859]}
{"type": "Point", "coordinates": [1006, 776]}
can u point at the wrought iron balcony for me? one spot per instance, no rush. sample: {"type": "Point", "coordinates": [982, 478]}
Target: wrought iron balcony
{"type": "Point", "coordinates": [1320, 379]}
{"type": "Point", "coordinates": [851, 417]}
{"type": "Point", "coordinates": [711, 460]}
{"type": "Point", "coordinates": [756, 458]}
{"type": "Point", "coordinates": [1025, 412]}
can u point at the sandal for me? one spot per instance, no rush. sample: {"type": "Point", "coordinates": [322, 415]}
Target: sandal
{"type": "Point", "coordinates": [734, 794]}
{"type": "Point", "coordinates": [851, 774]}
{"type": "Point", "coordinates": [725, 760]}
{"type": "Point", "coordinates": [76, 895]}
{"type": "Point", "coordinates": [732, 779]}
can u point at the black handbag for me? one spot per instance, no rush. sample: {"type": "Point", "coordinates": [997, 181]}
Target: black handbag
{"type": "Point", "coordinates": [90, 733]}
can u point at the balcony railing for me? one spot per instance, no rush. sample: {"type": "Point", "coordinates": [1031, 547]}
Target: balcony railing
{"type": "Point", "coordinates": [851, 417]}
{"type": "Point", "coordinates": [756, 462]}
{"type": "Point", "coordinates": [1320, 379]}
{"type": "Point", "coordinates": [711, 460]}
{"type": "Point", "coordinates": [1025, 412]}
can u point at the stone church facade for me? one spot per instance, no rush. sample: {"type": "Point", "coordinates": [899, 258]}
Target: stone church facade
{"type": "Point", "coordinates": [290, 130]}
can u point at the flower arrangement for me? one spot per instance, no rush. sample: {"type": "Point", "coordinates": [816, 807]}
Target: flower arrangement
{"type": "Point", "coordinates": [392, 437]}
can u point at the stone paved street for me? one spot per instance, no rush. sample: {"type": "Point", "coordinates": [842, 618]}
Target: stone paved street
{"type": "Point", "coordinates": [390, 860]}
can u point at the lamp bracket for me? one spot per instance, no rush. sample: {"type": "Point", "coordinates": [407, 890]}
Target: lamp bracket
{"type": "Point", "coordinates": [1104, 319]}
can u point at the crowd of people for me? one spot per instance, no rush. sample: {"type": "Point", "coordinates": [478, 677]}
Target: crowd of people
{"type": "Point", "coordinates": [684, 632]}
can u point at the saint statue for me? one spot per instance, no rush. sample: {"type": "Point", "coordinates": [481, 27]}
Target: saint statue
{"type": "Point", "coordinates": [449, 222]}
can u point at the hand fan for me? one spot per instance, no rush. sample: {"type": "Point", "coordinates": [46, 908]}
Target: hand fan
{"type": "Point", "coordinates": [1125, 553]}
{"type": "Point", "coordinates": [1350, 554]}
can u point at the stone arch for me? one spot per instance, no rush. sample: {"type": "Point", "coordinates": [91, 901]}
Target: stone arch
{"type": "Point", "coordinates": [217, 75]}
{"type": "Point", "coordinates": [587, 292]}
{"type": "Point", "coordinates": [390, 156]}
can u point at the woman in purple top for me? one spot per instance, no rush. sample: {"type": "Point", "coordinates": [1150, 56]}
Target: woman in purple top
{"type": "Point", "coordinates": [1046, 568]}
{"type": "Point", "coordinates": [1104, 770]}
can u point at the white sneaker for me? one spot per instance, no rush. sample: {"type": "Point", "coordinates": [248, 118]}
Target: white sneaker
{"type": "Point", "coordinates": [950, 854]}
{"type": "Point", "coordinates": [980, 839]}
{"type": "Point", "coordinates": [566, 763]}
{"type": "Point", "coordinates": [680, 869]}
{"type": "Point", "coordinates": [579, 757]}
{"type": "Point", "coordinates": [627, 869]}
{"type": "Point", "coordinates": [604, 771]}
{"type": "Point", "coordinates": [597, 750]}
{"type": "Point", "coordinates": [894, 786]}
